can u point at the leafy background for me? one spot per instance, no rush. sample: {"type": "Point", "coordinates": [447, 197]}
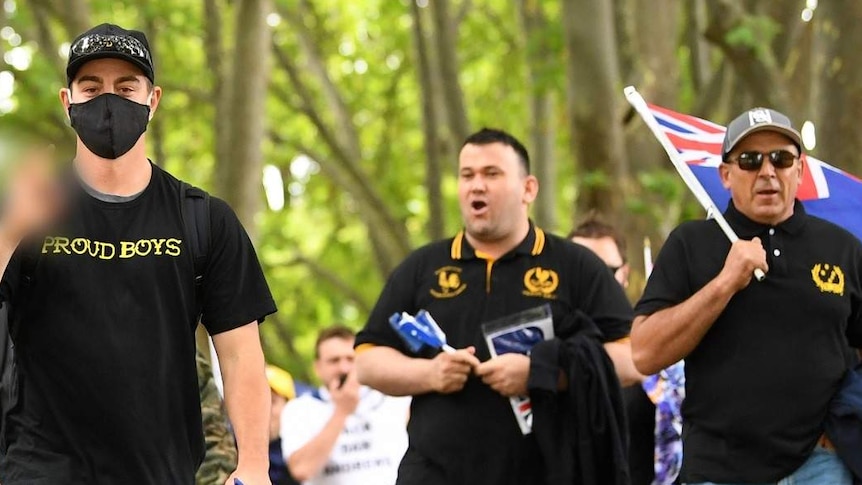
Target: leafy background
{"type": "Point", "coordinates": [356, 111]}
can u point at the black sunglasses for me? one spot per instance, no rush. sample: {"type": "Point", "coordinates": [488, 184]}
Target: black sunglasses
{"type": "Point", "coordinates": [614, 269]}
{"type": "Point", "coordinates": [750, 161]}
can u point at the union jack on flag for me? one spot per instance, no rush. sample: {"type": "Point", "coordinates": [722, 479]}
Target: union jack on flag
{"type": "Point", "coordinates": [827, 192]}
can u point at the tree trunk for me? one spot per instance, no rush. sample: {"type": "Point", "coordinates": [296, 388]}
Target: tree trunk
{"type": "Point", "coordinates": [436, 225]}
{"type": "Point", "coordinates": [77, 17]}
{"type": "Point", "coordinates": [446, 36]}
{"type": "Point", "coordinates": [699, 65]}
{"type": "Point", "coordinates": [654, 44]}
{"type": "Point", "coordinates": [544, 161]}
{"type": "Point", "coordinates": [593, 99]}
{"type": "Point", "coordinates": [538, 60]}
{"type": "Point", "coordinates": [839, 131]}
{"type": "Point", "coordinates": [804, 67]}
{"type": "Point", "coordinates": [221, 89]}
{"type": "Point", "coordinates": [247, 111]}
{"type": "Point", "coordinates": [754, 61]}
{"type": "Point", "coordinates": [155, 133]}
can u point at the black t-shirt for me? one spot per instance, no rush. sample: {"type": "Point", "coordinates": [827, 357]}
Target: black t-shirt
{"type": "Point", "coordinates": [472, 434]}
{"type": "Point", "coordinates": [106, 348]}
{"type": "Point", "coordinates": [759, 382]}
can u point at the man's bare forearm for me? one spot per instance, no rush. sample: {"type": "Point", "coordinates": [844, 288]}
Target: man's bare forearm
{"type": "Point", "coordinates": [667, 336]}
{"type": "Point", "coordinates": [391, 372]}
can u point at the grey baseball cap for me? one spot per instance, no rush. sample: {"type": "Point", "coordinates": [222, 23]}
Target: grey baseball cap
{"type": "Point", "coordinates": [754, 120]}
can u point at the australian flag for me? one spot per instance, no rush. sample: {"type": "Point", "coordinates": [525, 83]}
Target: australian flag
{"type": "Point", "coordinates": [827, 192]}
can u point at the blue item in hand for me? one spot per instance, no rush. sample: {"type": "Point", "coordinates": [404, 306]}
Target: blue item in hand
{"type": "Point", "coordinates": [419, 331]}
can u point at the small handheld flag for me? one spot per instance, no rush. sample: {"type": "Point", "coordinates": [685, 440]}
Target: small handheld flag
{"type": "Point", "coordinates": [420, 331]}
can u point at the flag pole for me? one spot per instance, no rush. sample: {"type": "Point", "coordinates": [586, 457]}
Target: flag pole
{"type": "Point", "coordinates": [647, 257]}
{"type": "Point", "coordinates": [637, 101]}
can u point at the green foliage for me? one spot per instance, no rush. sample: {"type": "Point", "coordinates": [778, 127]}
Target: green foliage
{"type": "Point", "coordinates": [595, 179]}
{"type": "Point", "coordinates": [317, 250]}
{"type": "Point", "coordinates": [754, 32]}
{"type": "Point", "coordinates": [665, 185]}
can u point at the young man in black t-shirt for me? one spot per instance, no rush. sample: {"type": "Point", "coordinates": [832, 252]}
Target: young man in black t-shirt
{"type": "Point", "coordinates": [105, 345]}
{"type": "Point", "coordinates": [762, 358]}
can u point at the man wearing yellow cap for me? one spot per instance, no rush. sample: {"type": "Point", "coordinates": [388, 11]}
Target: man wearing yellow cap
{"type": "Point", "coordinates": [282, 390]}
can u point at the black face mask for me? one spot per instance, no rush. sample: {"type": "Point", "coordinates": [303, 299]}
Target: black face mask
{"type": "Point", "coordinates": [109, 125]}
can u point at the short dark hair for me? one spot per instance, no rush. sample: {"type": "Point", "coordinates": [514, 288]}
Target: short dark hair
{"type": "Point", "coordinates": [335, 331]}
{"type": "Point", "coordinates": [487, 136]}
{"type": "Point", "coordinates": [594, 228]}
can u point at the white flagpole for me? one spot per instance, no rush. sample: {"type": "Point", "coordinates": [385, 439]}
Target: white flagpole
{"type": "Point", "coordinates": [216, 367]}
{"type": "Point", "coordinates": [637, 101]}
{"type": "Point", "coordinates": [647, 258]}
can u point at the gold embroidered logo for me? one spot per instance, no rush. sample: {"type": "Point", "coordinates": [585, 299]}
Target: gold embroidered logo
{"type": "Point", "coordinates": [829, 278]}
{"type": "Point", "coordinates": [541, 282]}
{"type": "Point", "coordinates": [449, 280]}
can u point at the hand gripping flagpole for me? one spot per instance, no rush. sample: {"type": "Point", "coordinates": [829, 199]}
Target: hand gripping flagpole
{"type": "Point", "coordinates": [637, 101]}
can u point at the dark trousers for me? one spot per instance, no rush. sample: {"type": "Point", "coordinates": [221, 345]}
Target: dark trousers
{"type": "Point", "coordinates": [641, 424]}
{"type": "Point", "coordinates": [415, 469]}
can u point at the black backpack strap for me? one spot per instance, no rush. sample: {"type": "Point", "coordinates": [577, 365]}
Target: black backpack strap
{"type": "Point", "coordinates": [8, 376]}
{"type": "Point", "coordinates": [10, 322]}
{"type": "Point", "coordinates": [195, 205]}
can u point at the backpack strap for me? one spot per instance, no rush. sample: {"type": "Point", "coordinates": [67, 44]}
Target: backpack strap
{"type": "Point", "coordinates": [27, 273]}
{"type": "Point", "coordinates": [8, 377]}
{"type": "Point", "coordinates": [10, 322]}
{"type": "Point", "coordinates": [195, 205]}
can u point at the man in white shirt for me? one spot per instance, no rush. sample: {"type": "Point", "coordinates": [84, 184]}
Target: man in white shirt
{"type": "Point", "coordinates": [343, 433]}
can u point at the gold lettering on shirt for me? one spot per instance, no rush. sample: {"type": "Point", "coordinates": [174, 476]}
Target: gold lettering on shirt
{"type": "Point", "coordinates": [127, 249]}
{"type": "Point", "coordinates": [157, 246]}
{"type": "Point", "coordinates": [173, 247]}
{"type": "Point", "coordinates": [61, 244]}
{"type": "Point", "coordinates": [80, 246]}
{"type": "Point", "coordinates": [107, 250]}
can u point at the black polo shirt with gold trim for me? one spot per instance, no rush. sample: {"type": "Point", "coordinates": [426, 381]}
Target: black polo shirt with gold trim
{"type": "Point", "coordinates": [473, 433]}
{"type": "Point", "coordinates": [759, 382]}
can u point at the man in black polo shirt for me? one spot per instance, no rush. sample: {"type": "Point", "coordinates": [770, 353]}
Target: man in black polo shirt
{"type": "Point", "coordinates": [762, 358]}
{"type": "Point", "coordinates": [462, 429]}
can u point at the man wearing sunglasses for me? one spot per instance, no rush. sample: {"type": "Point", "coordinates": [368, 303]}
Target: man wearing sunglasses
{"type": "Point", "coordinates": [763, 358]}
{"type": "Point", "coordinates": [607, 243]}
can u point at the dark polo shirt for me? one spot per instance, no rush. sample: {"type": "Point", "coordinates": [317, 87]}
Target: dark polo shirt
{"type": "Point", "coordinates": [472, 434]}
{"type": "Point", "coordinates": [758, 384]}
